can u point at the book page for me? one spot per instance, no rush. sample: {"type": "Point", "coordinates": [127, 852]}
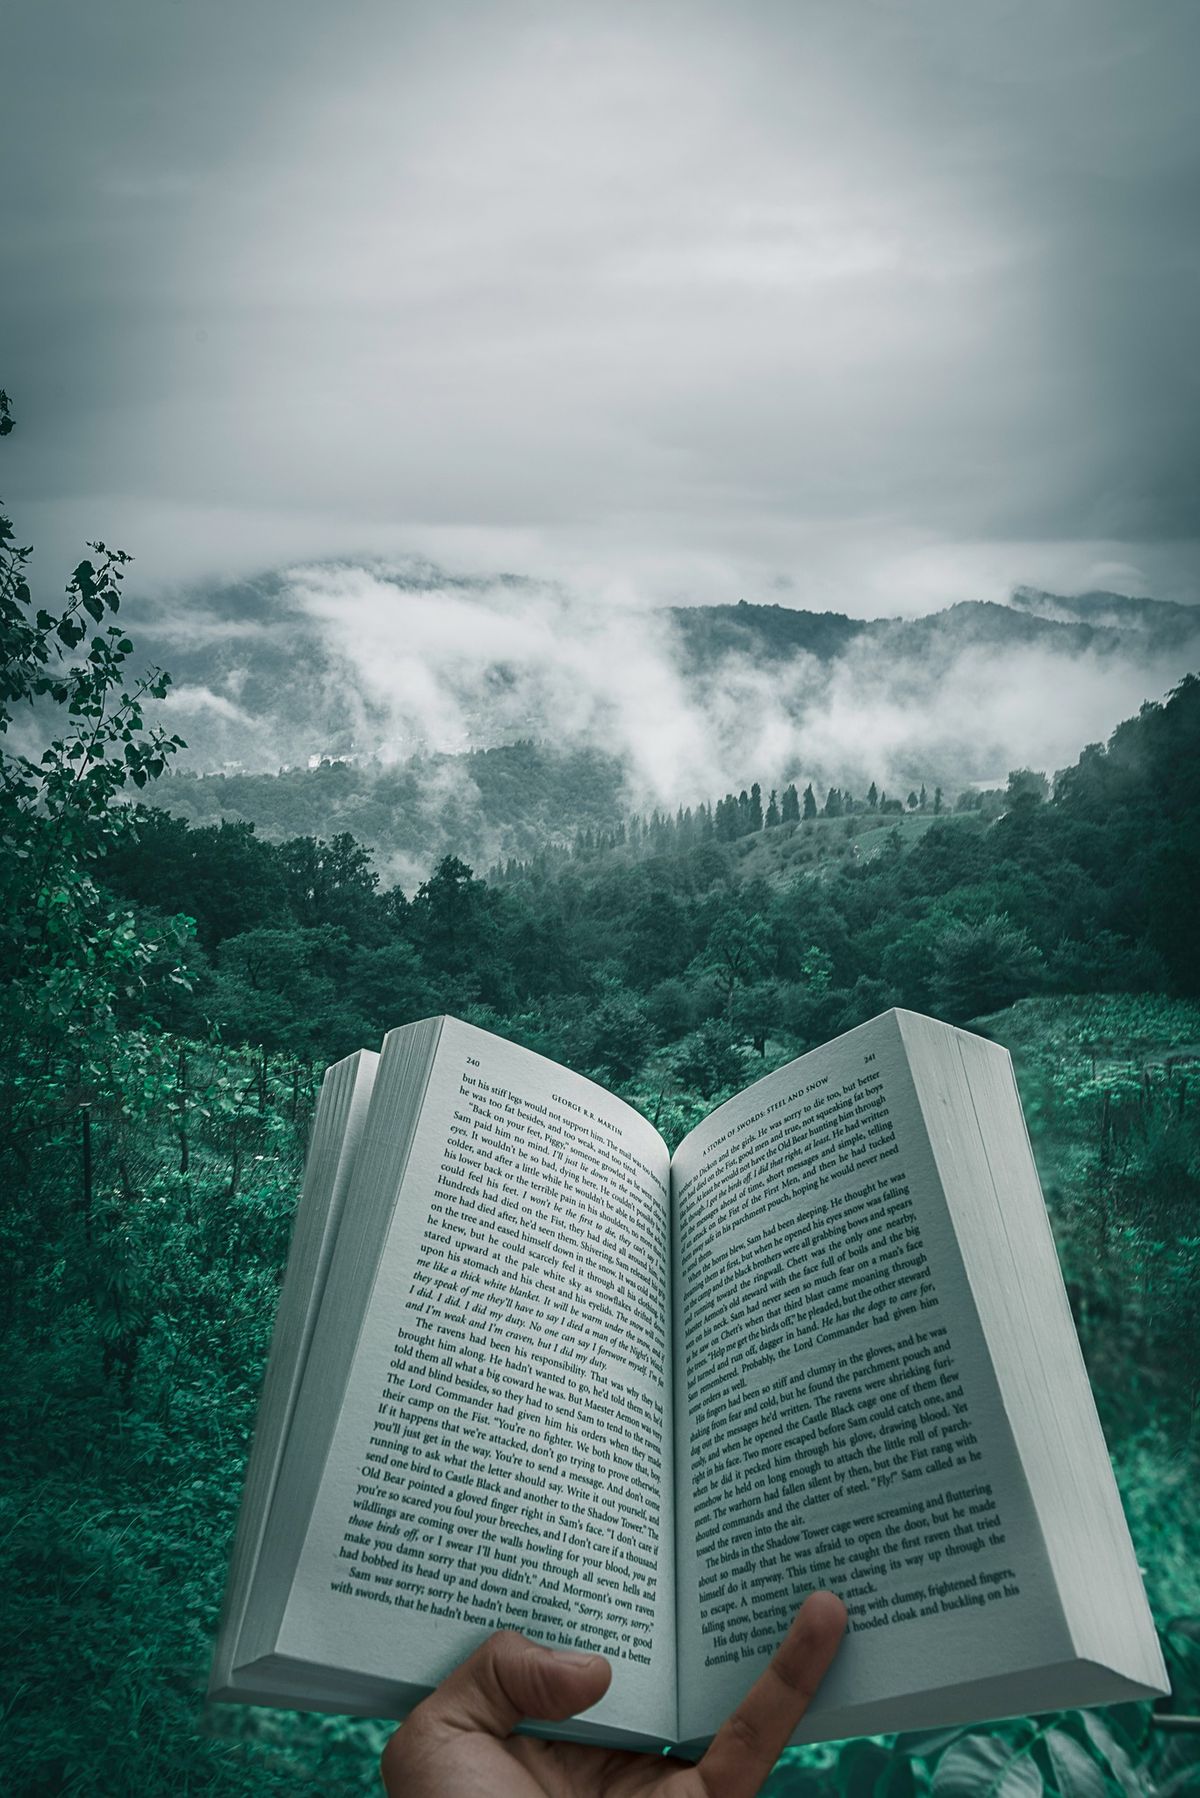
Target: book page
{"type": "Point", "coordinates": [332, 1150]}
{"type": "Point", "coordinates": [838, 1422]}
{"type": "Point", "coordinates": [502, 1459]}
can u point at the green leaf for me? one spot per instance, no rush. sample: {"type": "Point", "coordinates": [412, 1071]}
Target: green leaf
{"type": "Point", "coordinates": [1130, 1721]}
{"type": "Point", "coordinates": [1076, 1774]}
{"type": "Point", "coordinates": [929, 1743]}
{"type": "Point", "coordinates": [1106, 1743]}
{"type": "Point", "coordinates": [986, 1767]}
{"type": "Point", "coordinates": [899, 1779]}
{"type": "Point", "coordinates": [1181, 1784]}
{"type": "Point", "coordinates": [860, 1766]}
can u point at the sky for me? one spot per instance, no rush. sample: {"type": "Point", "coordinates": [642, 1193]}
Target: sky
{"type": "Point", "coordinates": [831, 303]}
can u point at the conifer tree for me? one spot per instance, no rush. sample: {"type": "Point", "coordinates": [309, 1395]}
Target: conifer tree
{"type": "Point", "coordinates": [790, 813]}
{"type": "Point", "coordinates": [756, 811]}
{"type": "Point", "coordinates": [772, 811]}
{"type": "Point", "coordinates": [872, 797]}
{"type": "Point", "coordinates": [810, 803]}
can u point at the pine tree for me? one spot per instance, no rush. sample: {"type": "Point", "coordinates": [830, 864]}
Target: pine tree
{"type": "Point", "coordinates": [923, 797]}
{"type": "Point", "coordinates": [873, 797]}
{"type": "Point", "coordinates": [790, 813]}
{"type": "Point", "coordinates": [810, 803]}
{"type": "Point", "coordinates": [937, 801]}
{"type": "Point", "coordinates": [756, 811]}
{"type": "Point", "coordinates": [772, 811]}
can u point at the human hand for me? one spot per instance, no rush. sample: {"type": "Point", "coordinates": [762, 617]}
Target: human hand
{"type": "Point", "coordinates": [457, 1742]}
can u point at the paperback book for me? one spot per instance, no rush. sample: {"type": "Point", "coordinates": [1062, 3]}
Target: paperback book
{"type": "Point", "coordinates": [532, 1371]}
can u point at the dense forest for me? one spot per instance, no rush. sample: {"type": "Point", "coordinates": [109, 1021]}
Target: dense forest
{"type": "Point", "coordinates": [172, 992]}
{"type": "Point", "coordinates": [644, 950]}
{"type": "Point", "coordinates": [514, 803]}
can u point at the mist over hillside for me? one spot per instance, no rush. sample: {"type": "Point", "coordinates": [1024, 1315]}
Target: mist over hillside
{"type": "Point", "coordinates": [405, 675]}
{"type": "Point", "coordinates": [485, 805]}
{"type": "Point", "coordinates": [385, 662]}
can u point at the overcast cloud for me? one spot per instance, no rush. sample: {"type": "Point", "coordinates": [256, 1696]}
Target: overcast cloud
{"type": "Point", "coordinates": [847, 305]}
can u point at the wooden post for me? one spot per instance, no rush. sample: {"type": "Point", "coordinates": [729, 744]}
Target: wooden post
{"type": "Point", "coordinates": [1105, 1124]}
{"type": "Point", "coordinates": [181, 1089]}
{"type": "Point", "coordinates": [85, 1112]}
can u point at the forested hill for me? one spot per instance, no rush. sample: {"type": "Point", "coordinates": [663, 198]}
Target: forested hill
{"type": "Point", "coordinates": [768, 634]}
{"type": "Point", "coordinates": [510, 805]}
{"type": "Point", "coordinates": [486, 804]}
{"type": "Point", "coordinates": [703, 945]}
{"type": "Point", "coordinates": [276, 674]}
{"type": "Point", "coordinates": [1091, 623]}
{"type": "Point", "coordinates": [731, 665]}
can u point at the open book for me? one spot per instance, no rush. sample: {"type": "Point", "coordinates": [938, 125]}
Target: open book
{"type": "Point", "coordinates": [530, 1371]}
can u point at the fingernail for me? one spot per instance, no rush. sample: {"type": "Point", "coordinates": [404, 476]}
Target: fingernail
{"type": "Point", "coordinates": [573, 1654]}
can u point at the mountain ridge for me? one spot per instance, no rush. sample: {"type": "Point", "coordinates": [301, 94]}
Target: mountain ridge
{"type": "Point", "coordinates": [347, 660]}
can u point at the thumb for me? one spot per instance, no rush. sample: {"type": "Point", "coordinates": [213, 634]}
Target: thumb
{"type": "Point", "coordinates": [509, 1677]}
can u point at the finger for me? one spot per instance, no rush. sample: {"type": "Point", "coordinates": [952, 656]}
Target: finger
{"type": "Point", "coordinates": [509, 1677]}
{"type": "Point", "coordinates": [748, 1743]}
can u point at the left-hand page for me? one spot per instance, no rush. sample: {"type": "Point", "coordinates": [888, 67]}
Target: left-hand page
{"type": "Point", "coordinates": [332, 1151]}
{"type": "Point", "coordinates": [502, 1457]}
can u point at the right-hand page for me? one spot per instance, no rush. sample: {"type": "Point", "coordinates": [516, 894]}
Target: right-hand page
{"type": "Point", "coordinates": [838, 1419]}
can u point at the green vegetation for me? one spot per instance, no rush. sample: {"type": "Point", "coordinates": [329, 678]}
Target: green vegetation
{"type": "Point", "coordinates": [487, 803]}
{"type": "Point", "coordinates": [529, 806]}
{"type": "Point", "coordinates": [171, 993]}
